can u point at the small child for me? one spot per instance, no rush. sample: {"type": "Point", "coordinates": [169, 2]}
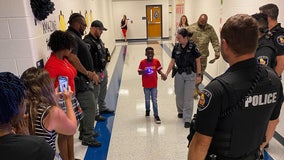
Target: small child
{"type": "Point", "coordinates": [148, 68]}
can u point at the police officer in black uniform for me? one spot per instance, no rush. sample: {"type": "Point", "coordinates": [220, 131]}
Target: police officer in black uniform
{"type": "Point", "coordinates": [277, 33]}
{"type": "Point", "coordinates": [101, 57]}
{"type": "Point", "coordinates": [187, 72]}
{"type": "Point", "coordinates": [237, 111]}
{"type": "Point", "coordinates": [266, 52]}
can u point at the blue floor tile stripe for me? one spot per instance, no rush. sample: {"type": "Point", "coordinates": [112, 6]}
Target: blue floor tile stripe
{"type": "Point", "coordinates": [167, 49]}
{"type": "Point", "coordinates": [105, 128]}
{"type": "Point", "coordinates": [267, 156]}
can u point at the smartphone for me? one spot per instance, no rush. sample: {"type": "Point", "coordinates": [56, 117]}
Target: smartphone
{"type": "Point", "coordinates": [63, 83]}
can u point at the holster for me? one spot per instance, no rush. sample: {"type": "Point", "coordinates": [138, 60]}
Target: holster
{"type": "Point", "coordinates": [81, 83]}
{"type": "Point", "coordinates": [191, 129]}
{"type": "Point", "coordinates": [174, 71]}
{"type": "Point", "coordinates": [108, 55]}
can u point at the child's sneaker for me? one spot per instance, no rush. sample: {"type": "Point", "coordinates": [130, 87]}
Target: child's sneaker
{"type": "Point", "coordinates": [157, 120]}
{"type": "Point", "coordinates": [147, 113]}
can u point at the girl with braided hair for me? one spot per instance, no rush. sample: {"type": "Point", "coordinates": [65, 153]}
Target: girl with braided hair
{"type": "Point", "coordinates": [12, 109]}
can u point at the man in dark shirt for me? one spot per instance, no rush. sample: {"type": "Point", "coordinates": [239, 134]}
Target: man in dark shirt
{"type": "Point", "coordinates": [277, 32]}
{"type": "Point", "coordinates": [101, 57]}
{"type": "Point", "coordinates": [82, 60]}
{"type": "Point", "coordinates": [265, 52]}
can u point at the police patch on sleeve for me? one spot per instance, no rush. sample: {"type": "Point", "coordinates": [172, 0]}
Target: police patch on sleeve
{"type": "Point", "coordinates": [204, 100]}
{"type": "Point", "coordinates": [280, 40]}
{"type": "Point", "coordinates": [262, 60]}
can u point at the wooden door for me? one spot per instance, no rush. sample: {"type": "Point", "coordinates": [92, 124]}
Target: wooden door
{"type": "Point", "coordinates": [154, 21]}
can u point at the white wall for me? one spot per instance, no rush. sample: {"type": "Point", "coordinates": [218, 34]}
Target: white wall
{"type": "Point", "coordinates": [23, 40]}
{"type": "Point", "coordinates": [14, 47]}
{"type": "Point", "coordinates": [135, 10]}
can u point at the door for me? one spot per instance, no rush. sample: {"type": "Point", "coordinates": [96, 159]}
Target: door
{"type": "Point", "coordinates": [154, 21]}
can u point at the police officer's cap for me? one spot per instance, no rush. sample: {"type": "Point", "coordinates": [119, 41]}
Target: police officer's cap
{"type": "Point", "coordinates": [98, 24]}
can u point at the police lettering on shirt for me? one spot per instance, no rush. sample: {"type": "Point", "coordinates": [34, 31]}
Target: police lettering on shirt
{"type": "Point", "coordinates": [259, 100]}
{"type": "Point", "coordinates": [251, 101]}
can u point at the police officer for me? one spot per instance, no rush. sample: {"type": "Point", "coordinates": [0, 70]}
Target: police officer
{"type": "Point", "coordinates": [101, 57]}
{"type": "Point", "coordinates": [242, 131]}
{"type": "Point", "coordinates": [277, 32]}
{"type": "Point", "coordinates": [266, 52]}
{"type": "Point", "coordinates": [203, 34]}
{"type": "Point", "coordinates": [186, 57]}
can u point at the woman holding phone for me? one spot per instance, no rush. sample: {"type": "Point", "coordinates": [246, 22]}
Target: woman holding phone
{"type": "Point", "coordinates": [46, 118]}
{"type": "Point", "coordinates": [59, 68]}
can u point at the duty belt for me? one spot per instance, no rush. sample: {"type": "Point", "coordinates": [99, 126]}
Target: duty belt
{"type": "Point", "coordinates": [254, 155]}
{"type": "Point", "coordinates": [188, 70]}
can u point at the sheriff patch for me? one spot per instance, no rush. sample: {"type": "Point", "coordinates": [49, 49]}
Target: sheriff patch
{"type": "Point", "coordinates": [280, 40]}
{"type": "Point", "coordinates": [262, 60]}
{"type": "Point", "coordinates": [204, 100]}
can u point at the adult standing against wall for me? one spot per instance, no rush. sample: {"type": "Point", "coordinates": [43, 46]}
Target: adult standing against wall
{"type": "Point", "coordinates": [230, 123]}
{"type": "Point", "coordinates": [277, 32]}
{"type": "Point", "coordinates": [123, 26]}
{"type": "Point", "coordinates": [83, 83]}
{"type": "Point", "coordinates": [203, 34]}
{"type": "Point", "coordinates": [101, 57]}
{"type": "Point", "coordinates": [57, 65]}
{"type": "Point", "coordinates": [187, 73]}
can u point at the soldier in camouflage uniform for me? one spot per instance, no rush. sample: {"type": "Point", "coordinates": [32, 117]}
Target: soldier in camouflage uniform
{"type": "Point", "coordinates": [204, 33]}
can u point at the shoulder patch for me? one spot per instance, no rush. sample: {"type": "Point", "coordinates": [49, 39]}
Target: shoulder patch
{"type": "Point", "coordinates": [204, 100]}
{"type": "Point", "coordinates": [262, 60]}
{"type": "Point", "coordinates": [280, 40]}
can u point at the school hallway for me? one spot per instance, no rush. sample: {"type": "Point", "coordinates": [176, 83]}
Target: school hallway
{"type": "Point", "coordinates": [128, 134]}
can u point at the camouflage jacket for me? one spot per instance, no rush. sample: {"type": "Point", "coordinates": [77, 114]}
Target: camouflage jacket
{"type": "Point", "coordinates": [202, 38]}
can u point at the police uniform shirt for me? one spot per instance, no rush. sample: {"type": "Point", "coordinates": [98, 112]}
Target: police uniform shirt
{"type": "Point", "coordinates": [94, 49]}
{"type": "Point", "coordinates": [266, 52]}
{"type": "Point", "coordinates": [278, 35]}
{"type": "Point", "coordinates": [179, 51]}
{"type": "Point", "coordinates": [81, 49]}
{"type": "Point", "coordinates": [264, 105]}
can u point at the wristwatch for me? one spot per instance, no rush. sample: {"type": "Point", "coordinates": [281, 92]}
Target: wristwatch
{"type": "Point", "coordinates": [198, 74]}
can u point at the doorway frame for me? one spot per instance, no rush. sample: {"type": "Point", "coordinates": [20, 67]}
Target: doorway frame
{"type": "Point", "coordinates": [161, 7]}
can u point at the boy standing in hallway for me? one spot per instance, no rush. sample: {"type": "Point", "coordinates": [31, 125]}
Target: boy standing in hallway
{"type": "Point", "coordinates": [148, 68]}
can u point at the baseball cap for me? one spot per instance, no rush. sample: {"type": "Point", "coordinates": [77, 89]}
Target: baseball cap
{"type": "Point", "coordinates": [98, 24]}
